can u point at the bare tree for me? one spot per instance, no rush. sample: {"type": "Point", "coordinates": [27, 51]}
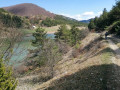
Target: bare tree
{"type": "Point", "coordinates": [52, 54]}
{"type": "Point", "coordinates": [48, 55]}
{"type": "Point", "coordinates": [8, 38]}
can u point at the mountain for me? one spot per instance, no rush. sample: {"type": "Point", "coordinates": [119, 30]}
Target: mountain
{"type": "Point", "coordinates": [67, 20]}
{"type": "Point", "coordinates": [85, 21]}
{"type": "Point", "coordinates": [28, 9]}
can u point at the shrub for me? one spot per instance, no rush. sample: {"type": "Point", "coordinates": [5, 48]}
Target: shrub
{"type": "Point", "coordinates": [7, 82]}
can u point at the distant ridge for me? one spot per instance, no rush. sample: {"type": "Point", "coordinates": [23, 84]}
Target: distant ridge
{"type": "Point", "coordinates": [28, 9]}
{"type": "Point", "coordinates": [85, 21]}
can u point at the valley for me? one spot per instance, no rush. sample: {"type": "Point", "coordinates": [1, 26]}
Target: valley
{"type": "Point", "coordinates": [41, 50]}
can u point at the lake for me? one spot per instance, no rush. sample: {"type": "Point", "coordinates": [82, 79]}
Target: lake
{"type": "Point", "coordinates": [21, 49]}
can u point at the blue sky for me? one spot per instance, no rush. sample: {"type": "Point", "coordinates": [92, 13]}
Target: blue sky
{"type": "Point", "coordinates": [77, 9]}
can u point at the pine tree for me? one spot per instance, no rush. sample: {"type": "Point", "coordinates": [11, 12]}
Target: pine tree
{"type": "Point", "coordinates": [63, 33]}
{"type": "Point", "coordinates": [40, 36]}
{"type": "Point", "coordinates": [74, 35]}
{"type": "Point", "coordinates": [7, 82]}
{"type": "Point", "coordinates": [91, 24]}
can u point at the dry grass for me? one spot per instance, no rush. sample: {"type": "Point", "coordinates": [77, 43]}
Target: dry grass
{"type": "Point", "coordinates": [83, 73]}
{"type": "Point", "coordinates": [82, 28]}
{"type": "Point", "coordinates": [52, 29]}
{"type": "Point", "coordinates": [118, 44]}
{"type": "Point", "coordinates": [93, 69]}
{"type": "Point", "coordinates": [82, 76]}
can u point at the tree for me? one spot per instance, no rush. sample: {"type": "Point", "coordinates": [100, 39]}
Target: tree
{"type": "Point", "coordinates": [105, 18]}
{"type": "Point", "coordinates": [10, 20]}
{"type": "Point", "coordinates": [108, 20]}
{"type": "Point", "coordinates": [7, 82]}
{"type": "Point", "coordinates": [11, 36]}
{"type": "Point", "coordinates": [114, 28]}
{"type": "Point", "coordinates": [96, 21]}
{"type": "Point", "coordinates": [102, 21]}
{"type": "Point", "coordinates": [49, 55]}
{"type": "Point", "coordinates": [17, 21]}
{"type": "Point", "coordinates": [74, 35]}
{"type": "Point", "coordinates": [59, 34]}
{"type": "Point", "coordinates": [63, 33]}
{"type": "Point", "coordinates": [91, 24]}
{"type": "Point", "coordinates": [115, 12]}
{"type": "Point", "coordinates": [49, 22]}
{"type": "Point", "coordinates": [40, 37]}
{"type": "Point", "coordinates": [47, 52]}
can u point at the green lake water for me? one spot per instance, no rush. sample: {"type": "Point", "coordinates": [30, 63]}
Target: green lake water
{"type": "Point", "coordinates": [21, 49]}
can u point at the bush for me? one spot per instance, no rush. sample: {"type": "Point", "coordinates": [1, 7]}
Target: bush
{"type": "Point", "coordinates": [7, 82]}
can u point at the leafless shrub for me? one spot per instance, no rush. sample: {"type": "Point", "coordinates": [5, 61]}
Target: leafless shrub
{"type": "Point", "coordinates": [8, 38]}
{"type": "Point", "coordinates": [75, 53]}
{"type": "Point", "coordinates": [83, 33]}
{"type": "Point", "coordinates": [46, 56]}
{"type": "Point", "coordinates": [63, 47]}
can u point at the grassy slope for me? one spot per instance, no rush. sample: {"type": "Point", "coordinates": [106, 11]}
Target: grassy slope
{"type": "Point", "coordinates": [95, 72]}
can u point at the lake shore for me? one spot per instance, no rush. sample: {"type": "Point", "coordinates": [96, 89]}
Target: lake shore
{"type": "Point", "coordinates": [51, 32]}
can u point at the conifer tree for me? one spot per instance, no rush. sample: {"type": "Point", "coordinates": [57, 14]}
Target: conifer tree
{"type": "Point", "coordinates": [91, 24]}
{"type": "Point", "coordinates": [7, 82]}
{"type": "Point", "coordinates": [40, 37]}
{"type": "Point", "coordinates": [74, 35]}
{"type": "Point", "coordinates": [63, 33]}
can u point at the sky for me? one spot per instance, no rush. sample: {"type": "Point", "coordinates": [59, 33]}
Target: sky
{"type": "Point", "coordinates": [77, 9]}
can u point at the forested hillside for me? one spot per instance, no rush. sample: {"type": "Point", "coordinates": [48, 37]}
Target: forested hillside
{"type": "Point", "coordinates": [59, 19]}
{"type": "Point", "coordinates": [109, 21]}
{"type": "Point", "coordinates": [10, 20]}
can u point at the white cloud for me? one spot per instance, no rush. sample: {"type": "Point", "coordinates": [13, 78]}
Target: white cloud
{"type": "Point", "coordinates": [88, 14]}
{"type": "Point", "coordinates": [100, 12]}
{"type": "Point", "coordinates": [83, 16]}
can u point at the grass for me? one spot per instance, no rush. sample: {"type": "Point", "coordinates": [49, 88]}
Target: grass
{"type": "Point", "coordinates": [95, 73]}
{"type": "Point", "coordinates": [91, 77]}
{"type": "Point", "coordinates": [106, 55]}
{"type": "Point", "coordinates": [51, 29]}
{"type": "Point", "coordinates": [118, 44]}
{"type": "Point", "coordinates": [47, 29]}
{"type": "Point", "coordinates": [27, 31]}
